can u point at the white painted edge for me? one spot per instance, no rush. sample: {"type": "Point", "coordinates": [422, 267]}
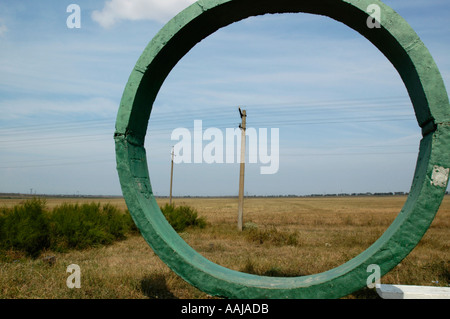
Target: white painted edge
{"type": "Point", "coordinates": [412, 292]}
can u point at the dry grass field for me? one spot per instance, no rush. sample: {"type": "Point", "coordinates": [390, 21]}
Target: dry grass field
{"type": "Point", "coordinates": [282, 237]}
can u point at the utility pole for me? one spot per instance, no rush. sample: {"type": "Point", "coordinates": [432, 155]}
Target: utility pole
{"type": "Point", "coordinates": [241, 175]}
{"type": "Point", "coordinates": [171, 178]}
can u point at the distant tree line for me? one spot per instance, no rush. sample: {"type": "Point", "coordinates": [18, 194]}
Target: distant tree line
{"type": "Point", "coordinates": [311, 195]}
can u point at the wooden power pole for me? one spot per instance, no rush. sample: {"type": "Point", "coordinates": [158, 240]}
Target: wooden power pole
{"type": "Point", "coordinates": [171, 178]}
{"type": "Point", "coordinates": [241, 175]}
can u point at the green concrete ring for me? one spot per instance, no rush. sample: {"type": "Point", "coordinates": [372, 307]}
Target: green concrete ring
{"type": "Point", "coordinates": [395, 39]}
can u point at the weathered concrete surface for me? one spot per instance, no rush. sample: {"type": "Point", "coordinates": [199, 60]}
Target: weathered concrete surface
{"type": "Point", "coordinates": [398, 42]}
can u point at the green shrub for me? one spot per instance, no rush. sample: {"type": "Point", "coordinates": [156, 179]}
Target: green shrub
{"type": "Point", "coordinates": [72, 226]}
{"type": "Point", "coordinates": [182, 217]}
{"type": "Point", "coordinates": [3, 212]}
{"type": "Point", "coordinates": [132, 228]}
{"type": "Point", "coordinates": [82, 226]}
{"type": "Point", "coordinates": [117, 223]}
{"type": "Point", "coordinates": [30, 228]}
{"type": "Point", "coordinates": [25, 227]}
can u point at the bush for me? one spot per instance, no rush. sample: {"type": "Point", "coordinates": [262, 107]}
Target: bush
{"type": "Point", "coordinates": [25, 227]}
{"type": "Point", "coordinates": [75, 226]}
{"type": "Point", "coordinates": [82, 226]}
{"type": "Point", "coordinates": [182, 217]}
{"type": "Point", "coordinates": [132, 228]}
{"type": "Point", "coordinates": [117, 223]}
{"type": "Point", "coordinates": [30, 228]}
{"type": "Point", "coordinates": [3, 212]}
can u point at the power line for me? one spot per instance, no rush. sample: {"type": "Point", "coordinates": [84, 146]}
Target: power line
{"type": "Point", "coordinates": [55, 126]}
{"type": "Point", "coordinates": [59, 164]}
{"type": "Point", "coordinates": [273, 114]}
{"type": "Point", "coordinates": [347, 154]}
{"type": "Point", "coordinates": [220, 110]}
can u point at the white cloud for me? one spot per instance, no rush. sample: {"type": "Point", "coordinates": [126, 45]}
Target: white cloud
{"type": "Point", "coordinates": [156, 10]}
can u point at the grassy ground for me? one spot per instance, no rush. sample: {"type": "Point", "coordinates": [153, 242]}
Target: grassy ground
{"type": "Point", "coordinates": [283, 237]}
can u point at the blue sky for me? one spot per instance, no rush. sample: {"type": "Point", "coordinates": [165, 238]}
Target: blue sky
{"type": "Point", "coordinates": [345, 120]}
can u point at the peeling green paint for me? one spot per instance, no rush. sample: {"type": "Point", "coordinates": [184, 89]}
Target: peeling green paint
{"type": "Point", "coordinates": [395, 39]}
